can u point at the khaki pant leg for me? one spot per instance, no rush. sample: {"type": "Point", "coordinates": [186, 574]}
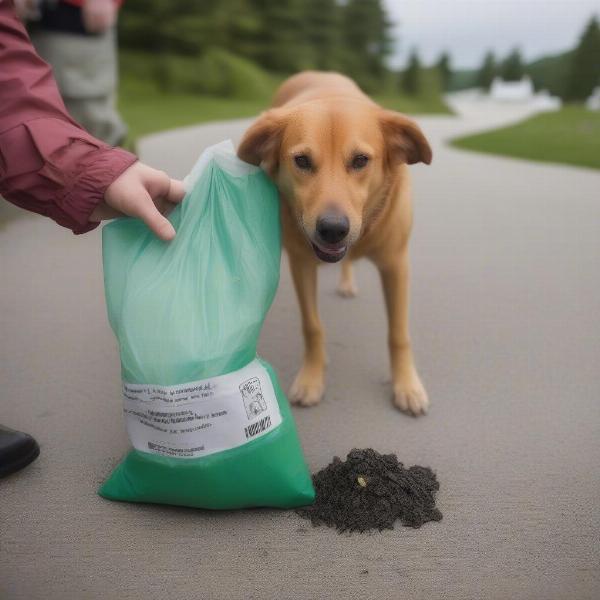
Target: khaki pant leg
{"type": "Point", "coordinates": [85, 68]}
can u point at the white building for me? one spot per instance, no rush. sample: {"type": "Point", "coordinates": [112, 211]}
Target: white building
{"type": "Point", "coordinates": [512, 91]}
{"type": "Point", "coordinates": [544, 101]}
{"type": "Point", "coordinates": [523, 92]}
{"type": "Point", "coordinates": [593, 102]}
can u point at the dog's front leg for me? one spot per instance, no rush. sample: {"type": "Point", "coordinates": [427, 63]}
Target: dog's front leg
{"type": "Point", "coordinates": [409, 393]}
{"type": "Point", "coordinates": [347, 286]}
{"type": "Point", "coordinates": [309, 384]}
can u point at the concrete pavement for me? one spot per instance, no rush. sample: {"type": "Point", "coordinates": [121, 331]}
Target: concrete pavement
{"type": "Point", "coordinates": [505, 303]}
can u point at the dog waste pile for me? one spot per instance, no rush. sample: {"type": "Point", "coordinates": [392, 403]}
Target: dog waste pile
{"type": "Point", "coordinates": [372, 491]}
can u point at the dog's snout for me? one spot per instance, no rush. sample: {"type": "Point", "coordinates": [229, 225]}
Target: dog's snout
{"type": "Point", "coordinates": [332, 228]}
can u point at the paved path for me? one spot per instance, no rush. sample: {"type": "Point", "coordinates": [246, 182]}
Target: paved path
{"type": "Point", "coordinates": [505, 304]}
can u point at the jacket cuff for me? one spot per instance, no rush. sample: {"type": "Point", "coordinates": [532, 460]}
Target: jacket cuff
{"type": "Point", "coordinates": [102, 167]}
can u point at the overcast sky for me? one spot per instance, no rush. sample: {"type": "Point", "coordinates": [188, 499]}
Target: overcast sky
{"type": "Point", "coordinates": [467, 28]}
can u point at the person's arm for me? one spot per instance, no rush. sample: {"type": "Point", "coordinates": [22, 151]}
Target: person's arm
{"type": "Point", "coordinates": [50, 165]}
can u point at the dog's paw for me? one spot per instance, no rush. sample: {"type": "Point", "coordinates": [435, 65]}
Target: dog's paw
{"type": "Point", "coordinates": [347, 289]}
{"type": "Point", "coordinates": [307, 389]}
{"type": "Point", "coordinates": [411, 397]}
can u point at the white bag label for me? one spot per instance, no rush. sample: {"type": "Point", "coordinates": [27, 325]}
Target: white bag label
{"type": "Point", "coordinates": [201, 417]}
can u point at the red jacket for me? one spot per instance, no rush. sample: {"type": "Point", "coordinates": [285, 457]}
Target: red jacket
{"type": "Point", "coordinates": [80, 2]}
{"type": "Point", "coordinates": [48, 163]}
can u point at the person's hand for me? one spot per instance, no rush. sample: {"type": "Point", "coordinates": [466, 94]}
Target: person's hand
{"type": "Point", "coordinates": [143, 192]}
{"type": "Point", "coordinates": [98, 15]}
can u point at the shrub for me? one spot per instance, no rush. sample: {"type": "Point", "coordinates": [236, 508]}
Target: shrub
{"type": "Point", "coordinates": [215, 73]}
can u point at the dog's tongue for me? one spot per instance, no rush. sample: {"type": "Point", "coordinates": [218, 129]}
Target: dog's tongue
{"type": "Point", "coordinates": [330, 254]}
{"type": "Point", "coordinates": [332, 251]}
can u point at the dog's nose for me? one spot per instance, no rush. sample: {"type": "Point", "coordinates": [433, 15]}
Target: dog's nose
{"type": "Point", "coordinates": [332, 227]}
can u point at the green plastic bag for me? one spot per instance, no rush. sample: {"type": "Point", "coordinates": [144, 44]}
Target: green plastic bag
{"type": "Point", "coordinates": [209, 423]}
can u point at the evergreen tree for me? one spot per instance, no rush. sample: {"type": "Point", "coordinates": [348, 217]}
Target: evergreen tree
{"type": "Point", "coordinates": [147, 25]}
{"type": "Point", "coordinates": [584, 73]}
{"type": "Point", "coordinates": [366, 42]}
{"type": "Point", "coordinates": [512, 68]}
{"type": "Point", "coordinates": [185, 26]}
{"type": "Point", "coordinates": [322, 25]}
{"type": "Point", "coordinates": [487, 71]}
{"type": "Point", "coordinates": [281, 43]}
{"type": "Point", "coordinates": [282, 37]}
{"type": "Point", "coordinates": [239, 23]}
{"type": "Point", "coordinates": [411, 77]}
{"type": "Point", "coordinates": [445, 70]}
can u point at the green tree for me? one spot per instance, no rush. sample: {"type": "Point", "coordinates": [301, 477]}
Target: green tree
{"type": "Point", "coordinates": [444, 67]}
{"type": "Point", "coordinates": [412, 75]}
{"type": "Point", "coordinates": [148, 25]}
{"type": "Point", "coordinates": [281, 44]}
{"type": "Point", "coordinates": [240, 25]}
{"type": "Point", "coordinates": [512, 68]}
{"type": "Point", "coordinates": [366, 41]}
{"type": "Point", "coordinates": [186, 26]}
{"type": "Point", "coordinates": [584, 73]}
{"type": "Point", "coordinates": [322, 26]}
{"type": "Point", "coordinates": [282, 37]}
{"type": "Point", "coordinates": [487, 71]}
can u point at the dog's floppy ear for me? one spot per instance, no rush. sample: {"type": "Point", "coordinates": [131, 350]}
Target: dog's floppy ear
{"type": "Point", "coordinates": [404, 139]}
{"type": "Point", "coordinates": [260, 144]}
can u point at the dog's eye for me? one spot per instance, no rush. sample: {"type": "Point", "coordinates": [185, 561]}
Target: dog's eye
{"type": "Point", "coordinates": [303, 162]}
{"type": "Point", "coordinates": [359, 162]}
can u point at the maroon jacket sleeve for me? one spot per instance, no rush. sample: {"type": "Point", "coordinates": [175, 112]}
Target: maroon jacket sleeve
{"type": "Point", "coordinates": [48, 163]}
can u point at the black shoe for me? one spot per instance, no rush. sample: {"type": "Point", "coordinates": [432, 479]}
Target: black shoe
{"type": "Point", "coordinates": [17, 450]}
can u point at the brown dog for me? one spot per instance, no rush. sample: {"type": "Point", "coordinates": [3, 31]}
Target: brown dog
{"type": "Point", "coordinates": [339, 161]}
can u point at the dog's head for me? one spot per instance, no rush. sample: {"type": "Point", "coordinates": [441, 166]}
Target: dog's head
{"type": "Point", "coordinates": [333, 162]}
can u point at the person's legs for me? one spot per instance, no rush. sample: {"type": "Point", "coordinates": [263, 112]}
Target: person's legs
{"type": "Point", "coordinates": [99, 116]}
{"type": "Point", "coordinates": [85, 68]}
{"type": "Point", "coordinates": [17, 450]}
